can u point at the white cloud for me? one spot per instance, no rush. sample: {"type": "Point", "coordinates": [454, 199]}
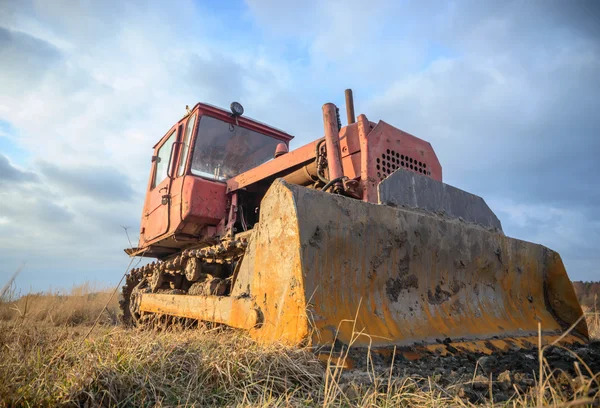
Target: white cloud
{"type": "Point", "coordinates": [570, 231]}
{"type": "Point", "coordinates": [502, 92]}
{"type": "Point", "coordinates": [89, 120]}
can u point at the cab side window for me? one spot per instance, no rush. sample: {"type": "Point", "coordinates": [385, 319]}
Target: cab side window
{"type": "Point", "coordinates": [186, 144]}
{"type": "Point", "coordinates": [162, 160]}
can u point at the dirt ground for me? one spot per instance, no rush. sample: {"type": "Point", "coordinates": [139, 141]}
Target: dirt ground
{"type": "Point", "coordinates": [476, 378]}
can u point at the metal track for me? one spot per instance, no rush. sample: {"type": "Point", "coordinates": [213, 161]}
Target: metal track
{"type": "Point", "coordinates": [132, 279]}
{"type": "Point", "coordinates": [137, 279]}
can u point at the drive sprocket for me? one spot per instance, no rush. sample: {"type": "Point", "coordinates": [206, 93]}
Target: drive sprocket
{"type": "Point", "coordinates": [132, 280]}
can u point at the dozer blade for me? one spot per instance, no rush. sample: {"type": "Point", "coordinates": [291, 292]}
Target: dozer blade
{"type": "Point", "coordinates": [322, 269]}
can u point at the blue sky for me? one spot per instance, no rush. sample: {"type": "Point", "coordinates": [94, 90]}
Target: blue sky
{"type": "Point", "coordinates": [8, 143]}
{"type": "Point", "coordinates": [505, 91]}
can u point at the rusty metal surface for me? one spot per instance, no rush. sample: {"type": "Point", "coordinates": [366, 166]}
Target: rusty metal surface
{"type": "Point", "coordinates": [386, 149]}
{"type": "Point", "coordinates": [320, 267]}
{"type": "Point", "coordinates": [405, 188]}
{"type": "Point", "coordinates": [155, 217]}
{"type": "Point", "coordinates": [367, 181]}
{"type": "Point", "coordinates": [197, 206]}
{"type": "Point", "coordinates": [323, 267]}
{"type": "Point", "coordinates": [189, 198]}
{"type": "Point", "coordinates": [489, 346]}
{"type": "Point", "coordinates": [350, 106]}
{"type": "Point", "coordinates": [297, 157]}
{"type": "Point", "coordinates": [303, 176]}
{"type": "Point", "coordinates": [349, 142]}
{"type": "Point", "coordinates": [202, 201]}
{"type": "Point", "coordinates": [202, 266]}
{"type": "Point", "coordinates": [332, 141]}
{"type": "Point", "coordinates": [271, 272]}
{"type": "Point", "coordinates": [233, 312]}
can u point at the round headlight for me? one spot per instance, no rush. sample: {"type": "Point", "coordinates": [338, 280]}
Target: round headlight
{"type": "Point", "coordinates": [236, 109]}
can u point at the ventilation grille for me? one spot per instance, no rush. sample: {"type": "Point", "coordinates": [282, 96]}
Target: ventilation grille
{"type": "Point", "coordinates": [391, 160]}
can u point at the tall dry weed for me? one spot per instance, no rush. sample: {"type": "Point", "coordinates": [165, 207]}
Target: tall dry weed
{"type": "Point", "coordinates": [593, 321]}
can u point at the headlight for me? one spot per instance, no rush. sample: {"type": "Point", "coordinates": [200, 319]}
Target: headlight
{"type": "Point", "coordinates": [236, 109]}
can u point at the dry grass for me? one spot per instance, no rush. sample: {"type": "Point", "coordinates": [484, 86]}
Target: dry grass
{"type": "Point", "coordinates": [47, 360]}
{"type": "Point", "coordinates": [47, 366]}
{"type": "Point", "coordinates": [593, 321]}
{"type": "Point", "coordinates": [79, 306]}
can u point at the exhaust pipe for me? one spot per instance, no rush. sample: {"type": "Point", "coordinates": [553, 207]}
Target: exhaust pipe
{"type": "Point", "coordinates": [332, 141]}
{"type": "Point", "coordinates": [350, 106]}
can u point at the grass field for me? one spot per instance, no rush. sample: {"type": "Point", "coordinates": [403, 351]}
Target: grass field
{"type": "Point", "coordinates": [49, 357]}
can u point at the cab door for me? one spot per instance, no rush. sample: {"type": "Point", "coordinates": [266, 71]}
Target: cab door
{"type": "Point", "coordinates": [179, 170]}
{"type": "Point", "coordinates": [158, 203]}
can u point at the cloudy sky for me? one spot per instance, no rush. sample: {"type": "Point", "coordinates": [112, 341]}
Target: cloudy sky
{"type": "Point", "coordinates": [508, 93]}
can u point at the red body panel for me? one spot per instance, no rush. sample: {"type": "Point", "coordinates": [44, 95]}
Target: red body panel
{"type": "Point", "coordinates": [155, 220]}
{"type": "Point", "coordinates": [156, 215]}
{"type": "Point", "coordinates": [387, 149]}
{"type": "Point", "coordinates": [203, 201]}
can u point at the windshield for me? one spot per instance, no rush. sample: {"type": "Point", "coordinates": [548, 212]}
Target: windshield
{"type": "Point", "coordinates": [223, 151]}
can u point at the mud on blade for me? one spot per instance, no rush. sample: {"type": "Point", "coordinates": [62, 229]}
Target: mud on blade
{"type": "Point", "coordinates": [317, 261]}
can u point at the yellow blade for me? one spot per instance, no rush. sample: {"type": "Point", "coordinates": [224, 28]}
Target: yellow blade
{"type": "Point", "coordinates": [322, 267]}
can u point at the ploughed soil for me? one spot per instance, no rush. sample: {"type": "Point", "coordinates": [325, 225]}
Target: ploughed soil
{"type": "Point", "coordinates": [477, 377]}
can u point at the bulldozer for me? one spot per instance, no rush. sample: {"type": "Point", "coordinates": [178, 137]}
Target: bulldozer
{"type": "Point", "coordinates": [352, 239]}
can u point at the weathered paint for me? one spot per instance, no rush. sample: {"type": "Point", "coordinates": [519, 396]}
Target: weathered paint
{"type": "Point", "coordinates": [323, 267]}
{"type": "Point", "coordinates": [332, 141]}
{"type": "Point", "coordinates": [349, 141]}
{"type": "Point", "coordinates": [297, 157]}
{"type": "Point", "coordinates": [160, 222]}
{"type": "Point", "coordinates": [196, 203]}
{"type": "Point", "coordinates": [386, 149]}
{"type": "Point", "coordinates": [271, 272]}
{"type": "Point", "coordinates": [405, 188]}
{"type": "Point", "coordinates": [227, 310]}
{"type": "Point", "coordinates": [349, 106]}
{"type": "Point", "coordinates": [202, 201]}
